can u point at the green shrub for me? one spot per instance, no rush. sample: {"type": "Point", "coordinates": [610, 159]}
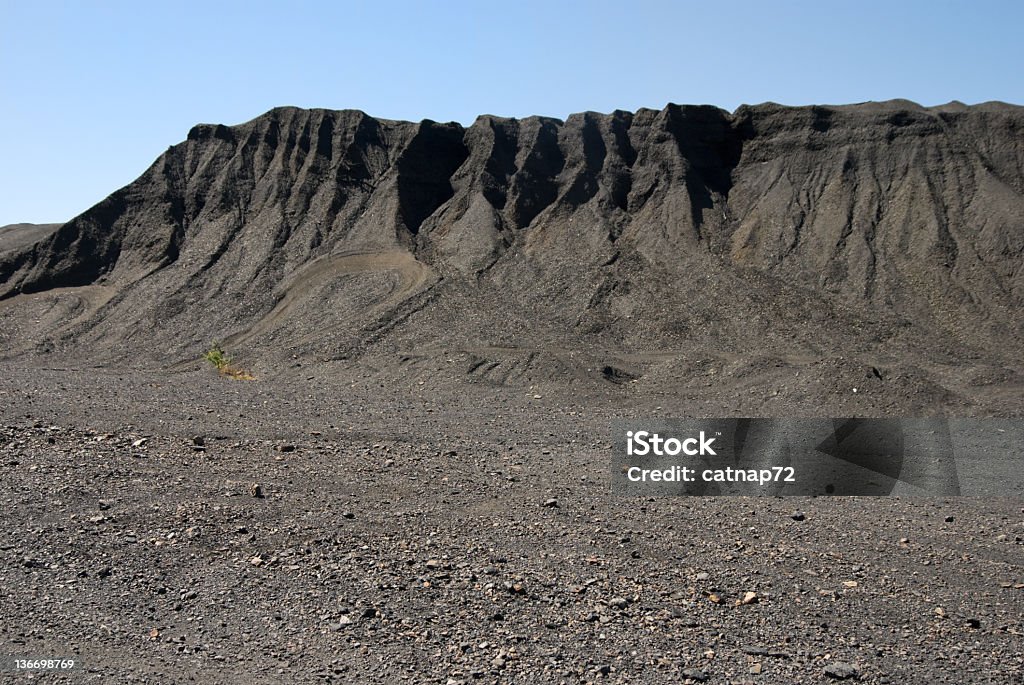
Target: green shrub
{"type": "Point", "coordinates": [222, 362]}
{"type": "Point", "coordinates": [217, 356]}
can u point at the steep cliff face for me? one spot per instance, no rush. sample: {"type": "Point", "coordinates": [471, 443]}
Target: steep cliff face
{"type": "Point", "coordinates": [770, 227]}
{"type": "Point", "coordinates": [901, 207]}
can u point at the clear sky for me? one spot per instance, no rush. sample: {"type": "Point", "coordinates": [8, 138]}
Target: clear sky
{"type": "Point", "coordinates": [92, 92]}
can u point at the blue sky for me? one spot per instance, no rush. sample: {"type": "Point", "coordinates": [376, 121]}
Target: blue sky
{"type": "Point", "coordinates": [92, 92]}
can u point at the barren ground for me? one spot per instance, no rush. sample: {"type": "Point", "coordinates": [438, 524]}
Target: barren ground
{"type": "Point", "coordinates": [402, 536]}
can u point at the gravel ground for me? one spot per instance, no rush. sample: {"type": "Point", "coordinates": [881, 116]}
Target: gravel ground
{"type": "Point", "coordinates": [168, 529]}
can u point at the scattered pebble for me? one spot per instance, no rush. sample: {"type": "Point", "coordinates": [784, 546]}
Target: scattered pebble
{"type": "Point", "coordinates": [841, 670]}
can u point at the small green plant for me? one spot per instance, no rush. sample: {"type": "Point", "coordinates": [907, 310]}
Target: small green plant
{"type": "Point", "coordinates": [222, 362]}
{"type": "Point", "coordinates": [217, 356]}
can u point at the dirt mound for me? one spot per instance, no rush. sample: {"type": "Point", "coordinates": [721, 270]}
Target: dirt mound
{"type": "Point", "coordinates": [809, 231]}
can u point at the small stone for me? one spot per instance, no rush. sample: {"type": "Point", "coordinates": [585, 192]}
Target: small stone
{"type": "Point", "coordinates": [749, 598]}
{"type": "Point", "coordinates": [286, 448]}
{"type": "Point", "coordinates": [347, 515]}
{"type": "Point", "coordinates": [551, 503]}
{"type": "Point", "coordinates": [199, 441]}
{"type": "Point", "coordinates": [755, 669]}
{"type": "Point", "coordinates": [950, 519]}
{"type": "Point", "coordinates": [695, 674]}
{"type": "Point", "coordinates": [714, 598]}
{"type": "Point", "coordinates": [974, 623]}
{"type": "Point", "coordinates": [256, 491]}
{"type": "Point", "coordinates": [433, 564]}
{"type": "Point", "coordinates": [841, 670]}
{"type": "Point", "coordinates": [140, 442]}
{"type": "Point", "coordinates": [797, 516]}
{"type": "Point", "coordinates": [619, 603]}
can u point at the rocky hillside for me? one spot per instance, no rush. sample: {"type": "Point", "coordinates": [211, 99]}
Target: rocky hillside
{"type": "Point", "coordinates": [792, 231]}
